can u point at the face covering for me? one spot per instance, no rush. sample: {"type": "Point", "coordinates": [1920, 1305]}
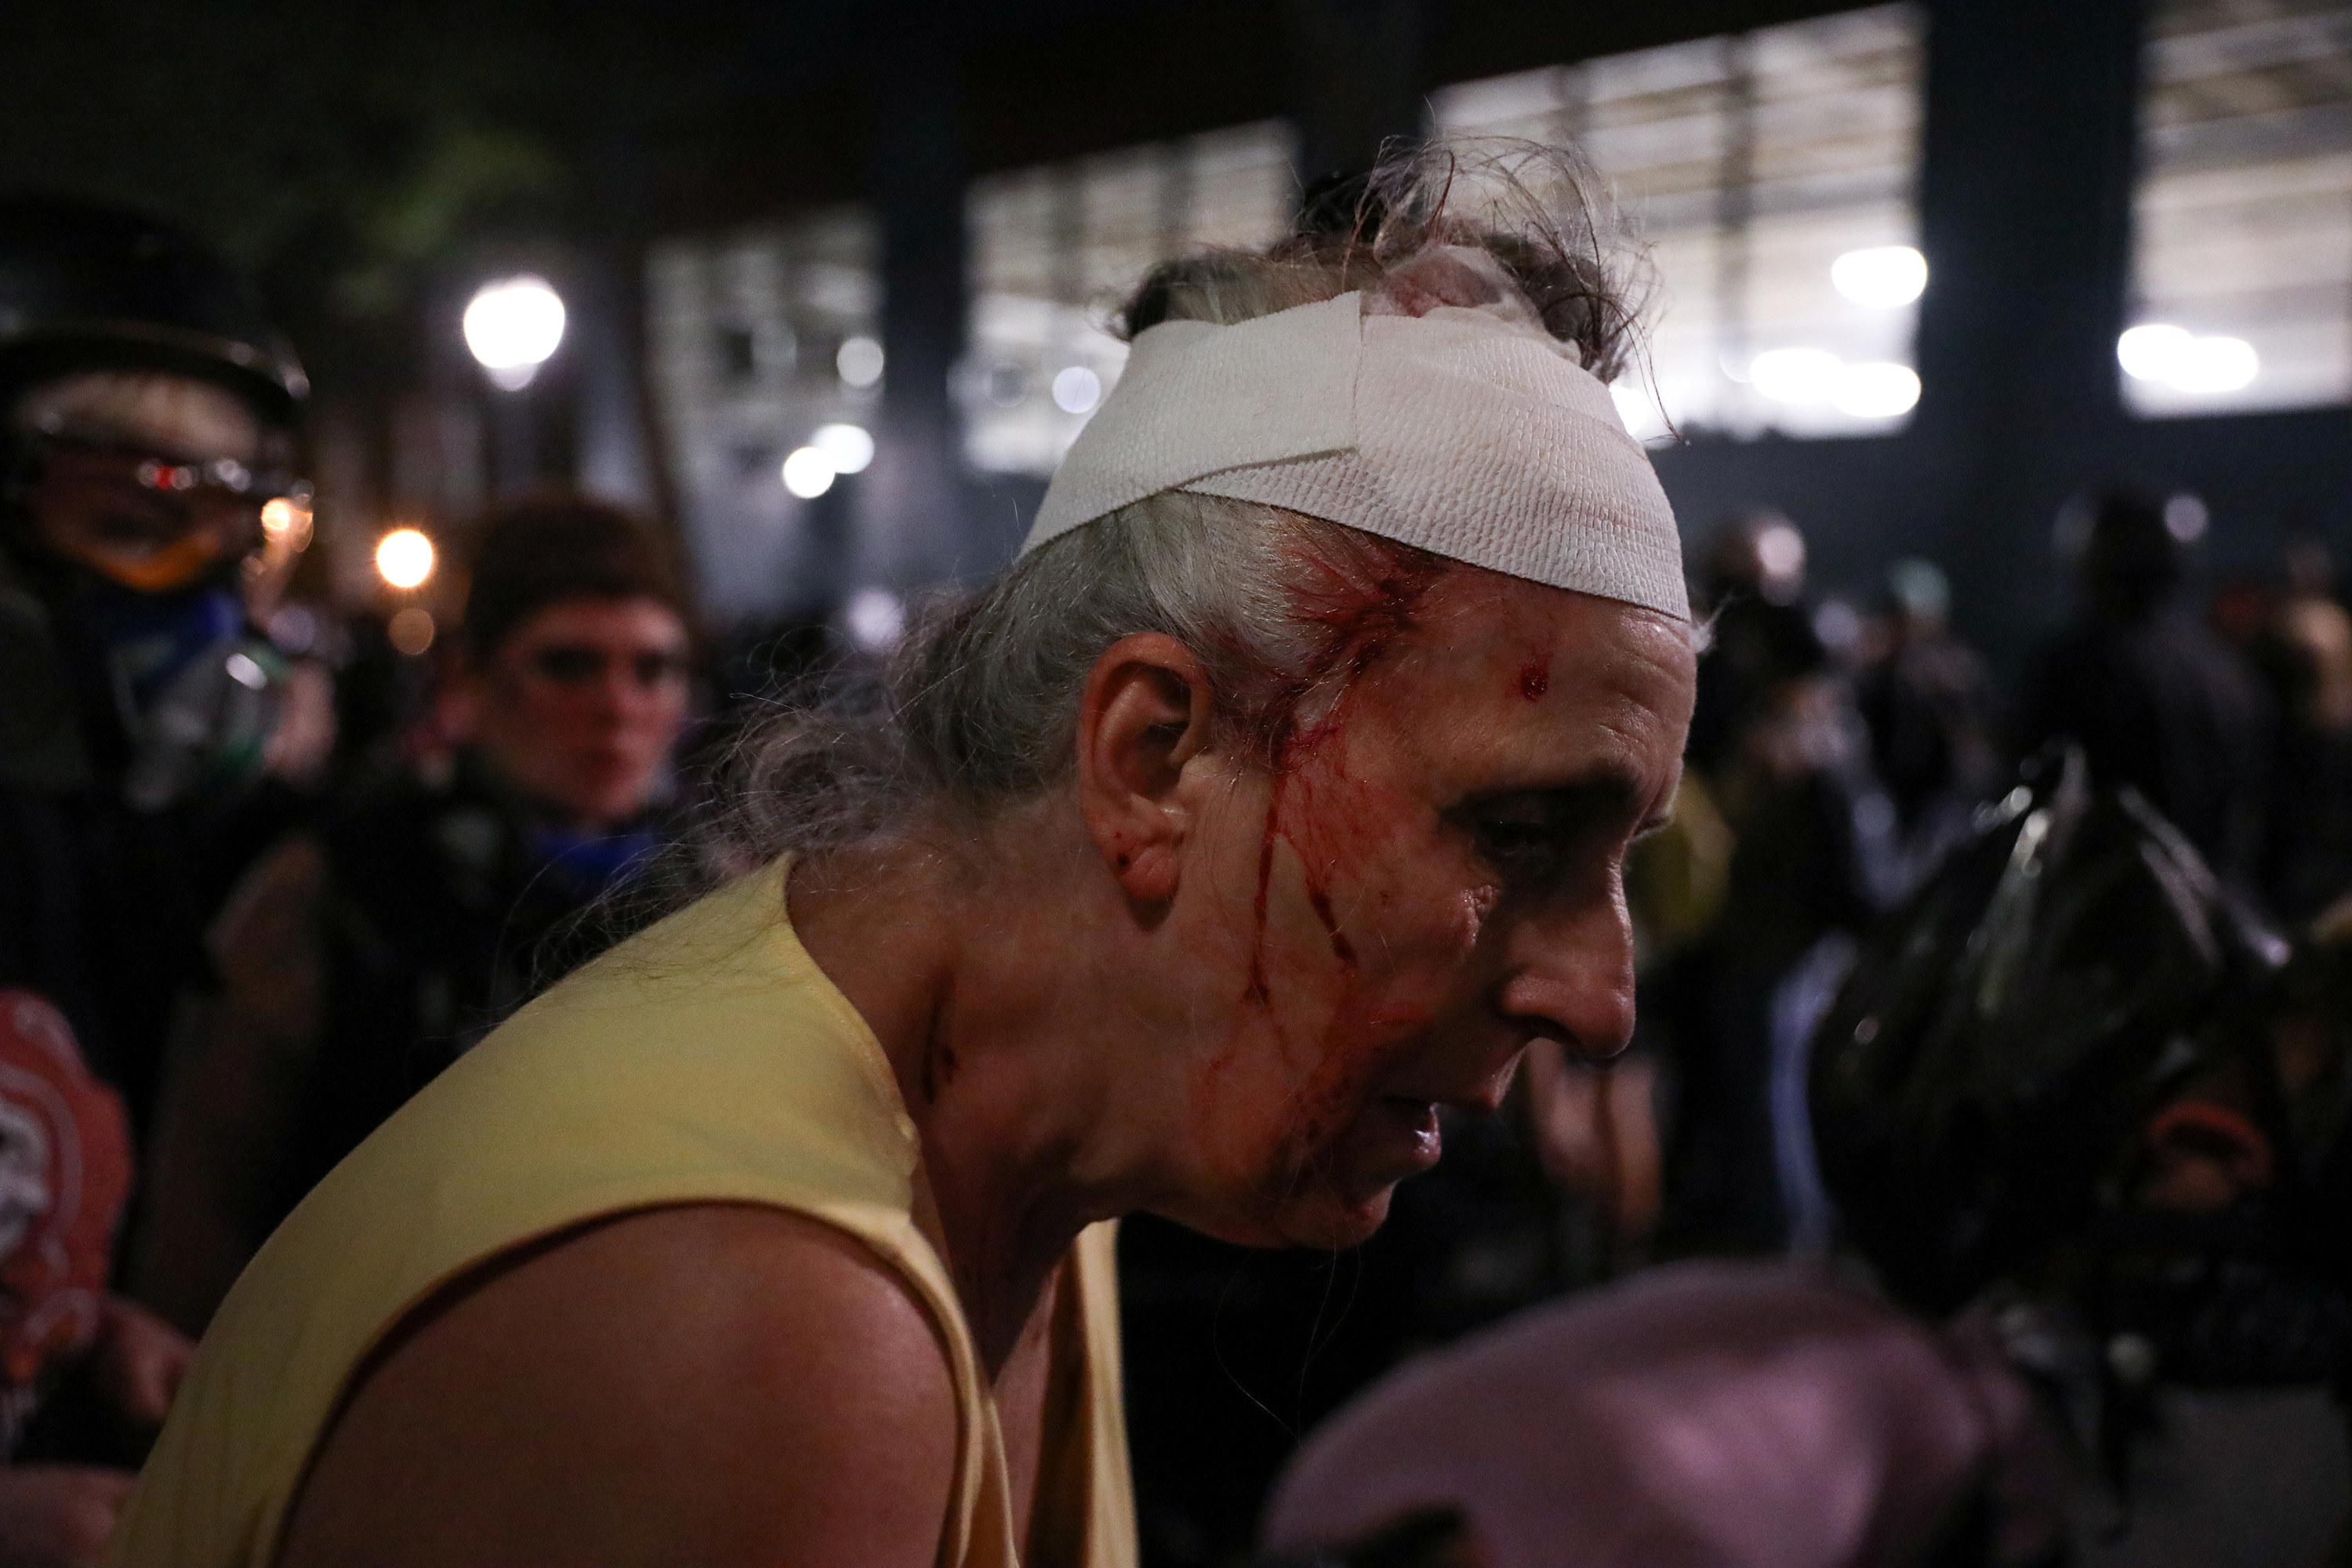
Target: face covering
{"type": "Point", "coordinates": [199, 693]}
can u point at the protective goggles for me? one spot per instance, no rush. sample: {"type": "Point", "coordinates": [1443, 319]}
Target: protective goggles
{"type": "Point", "coordinates": [218, 478]}
{"type": "Point", "coordinates": [154, 522]}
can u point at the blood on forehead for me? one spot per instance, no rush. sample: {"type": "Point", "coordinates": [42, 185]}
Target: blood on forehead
{"type": "Point", "coordinates": [1355, 596]}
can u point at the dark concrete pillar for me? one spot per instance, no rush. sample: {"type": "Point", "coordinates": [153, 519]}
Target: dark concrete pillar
{"type": "Point", "coordinates": [1359, 63]}
{"type": "Point", "coordinates": [517, 431]}
{"type": "Point", "coordinates": [2025, 218]}
{"type": "Point", "coordinates": [616, 456]}
{"type": "Point", "coordinates": [911, 522]}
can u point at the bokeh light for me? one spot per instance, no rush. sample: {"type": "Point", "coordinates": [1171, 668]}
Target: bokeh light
{"type": "Point", "coordinates": [1882, 277]}
{"type": "Point", "coordinates": [1796, 376]}
{"type": "Point", "coordinates": [411, 631]}
{"type": "Point", "coordinates": [512, 326]}
{"type": "Point", "coordinates": [1876, 391]}
{"type": "Point", "coordinates": [808, 473]}
{"type": "Point", "coordinates": [2160, 351]}
{"type": "Point", "coordinates": [859, 362]}
{"type": "Point", "coordinates": [1076, 390]}
{"type": "Point", "coordinates": [403, 558]}
{"type": "Point", "coordinates": [846, 447]}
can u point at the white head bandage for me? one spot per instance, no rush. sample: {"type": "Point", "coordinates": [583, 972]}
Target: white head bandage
{"type": "Point", "coordinates": [1464, 429]}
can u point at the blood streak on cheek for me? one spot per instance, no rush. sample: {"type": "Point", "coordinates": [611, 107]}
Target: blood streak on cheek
{"type": "Point", "coordinates": [1358, 617]}
{"type": "Point", "coordinates": [1341, 948]}
{"type": "Point", "coordinates": [1535, 678]}
{"type": "Point", "coordinates": [1209, 1087]}
{"type": "Point", "coordinates": [1361, 1036]}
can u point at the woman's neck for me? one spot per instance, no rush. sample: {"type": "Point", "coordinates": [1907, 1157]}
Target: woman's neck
{"type": "Point", "coordinates": [962, 979]}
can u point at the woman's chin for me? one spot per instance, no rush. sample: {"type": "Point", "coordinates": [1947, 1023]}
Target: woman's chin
{"type": "Point", "coordinates": [1326, 1221]}
{"type": "Point", "coordinates": [1333, 1196]}
{"type": "Point", "coordinates": [1334, 1227]}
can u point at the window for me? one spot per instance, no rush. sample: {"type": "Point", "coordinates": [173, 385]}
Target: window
{"type": "Point", "coordinates": [2242, 272]}
{"type": "Point", "coordinates": [1054, 248]}
{"type": "Point", "coordinates": [760, 340]}
{"type": "Point", "coordinates": [1773, 174]}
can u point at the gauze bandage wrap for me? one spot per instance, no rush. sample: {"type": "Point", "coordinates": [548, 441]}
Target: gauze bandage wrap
{"type": "Point", "coordinates": [1467, 431]}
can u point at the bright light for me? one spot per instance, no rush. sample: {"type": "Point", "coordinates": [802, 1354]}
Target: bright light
{"type": "Point", "coordinates": [859, 361]}
{"type": "Point", "coordinates": [876, 618]}
{"type": "Point", "coordinates": [512, 326]}
{"type": "Point", "coordinates": [1881, 278]}
{"type": "Point", "coordinates": [1779, 551]}
{"type": "Point", "coordinates": [808, 473]}
{"type": "Point", "coordinates": [1876, 391]}
{"type": "Point", "coordinates": [846, 447]}
{"type": "Point", "coordinates": [2185, 518]}
{"type": "Point", "coordinates": [286, 519]}
{"type": "Point", "coordinates": [2147, 352]}
{"type": "Point", "coordinates": [1797, 376]}
{"type": "Point", "coordinates": [403, 558]}
{"type": "Point", "coordinates": [1076, 390]}
{"type": "Point", "coordinates": [2156, 351]}
{"type": "Point", "coordinates": [2214, 365]}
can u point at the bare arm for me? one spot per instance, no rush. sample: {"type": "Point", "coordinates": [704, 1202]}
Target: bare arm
{"type": "Point", "coordinates": [229, 1096]}
{"type": "Point", "coordinates": [717, 1385]}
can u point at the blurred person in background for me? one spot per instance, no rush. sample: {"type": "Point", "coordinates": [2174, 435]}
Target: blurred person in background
{"type": "Point", "coordinates": [1783, 757]}
{"type": "Point", "coordinates": [148, 509]}
{"type": "Point", "coordinates": [86, 1376]}
{"type": "Point", "coordinates": [2156, 700]}
{"type": "Point", "coordinates": [2304, 651]}
{"type": "Point", "coordinates": [1703, 1414]}
{"type": "Point", "coordinates": [1929, 703]}
{"type": "Point", "coordinates": [365, 954]}
{"type": "Point", "coordinates": [147, 428]}
{"type": "Point", "coordinates": [2078, 1091]}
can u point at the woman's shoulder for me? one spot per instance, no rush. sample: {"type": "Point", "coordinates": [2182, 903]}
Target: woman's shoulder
{"type": "Point", "coordinates": [675, 1379]}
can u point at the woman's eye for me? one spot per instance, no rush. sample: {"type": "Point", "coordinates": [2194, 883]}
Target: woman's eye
{"type": "Point", "coordinates": [1519, 838]}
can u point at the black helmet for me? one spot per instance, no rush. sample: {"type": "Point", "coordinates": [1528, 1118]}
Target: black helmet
{"type": "Point", "coordinates": [1982, 1084]}
{"type": "Point", "coordinates": [90, 287]}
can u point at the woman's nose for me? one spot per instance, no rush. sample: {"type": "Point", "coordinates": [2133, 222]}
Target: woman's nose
{"type": "Point", "coordinates": [1572, 977]}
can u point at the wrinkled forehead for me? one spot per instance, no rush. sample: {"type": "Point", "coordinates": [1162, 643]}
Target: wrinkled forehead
{"type": "Point", "coordinates": [1471, 612]}
{"type": "Point", "coordinates": [1506, 665]}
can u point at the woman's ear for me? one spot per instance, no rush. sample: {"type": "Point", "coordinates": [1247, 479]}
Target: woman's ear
{"type": "Point", "coordinates": [1144, 714]}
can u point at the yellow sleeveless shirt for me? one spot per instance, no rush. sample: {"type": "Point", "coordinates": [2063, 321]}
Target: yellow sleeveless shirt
{"type": "Point", "coordinates": [708, 1060]}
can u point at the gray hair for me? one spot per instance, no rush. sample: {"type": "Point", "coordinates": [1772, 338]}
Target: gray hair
{"type": "Point", "coordinates": [979, 708]}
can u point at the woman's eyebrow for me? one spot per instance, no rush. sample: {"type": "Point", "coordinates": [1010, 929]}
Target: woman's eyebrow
{"type": "Point", "coordinates": [1604, 790]}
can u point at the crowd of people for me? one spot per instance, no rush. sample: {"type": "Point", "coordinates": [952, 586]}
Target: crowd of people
{"type": "Point", "coordinates": [245, 919]}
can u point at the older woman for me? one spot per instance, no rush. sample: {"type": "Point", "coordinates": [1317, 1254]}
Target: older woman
{"type": "Point", "coordinates": [1274, 798]}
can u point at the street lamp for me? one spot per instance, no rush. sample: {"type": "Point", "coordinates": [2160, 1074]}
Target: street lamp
{"type": "Point", "coordinates": [403, 558]}
{"type": "Point", "coordinates": [512, 326]}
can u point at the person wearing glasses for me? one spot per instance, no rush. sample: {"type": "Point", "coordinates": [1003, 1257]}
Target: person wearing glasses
{"type": "Point", "coordinates": [148, 415]}
{"type": "Point", "coordinates": [366, 952]}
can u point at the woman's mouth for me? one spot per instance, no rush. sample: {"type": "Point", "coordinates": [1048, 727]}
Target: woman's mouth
{"type": "Point", "coordinates": [1409, 1127]}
